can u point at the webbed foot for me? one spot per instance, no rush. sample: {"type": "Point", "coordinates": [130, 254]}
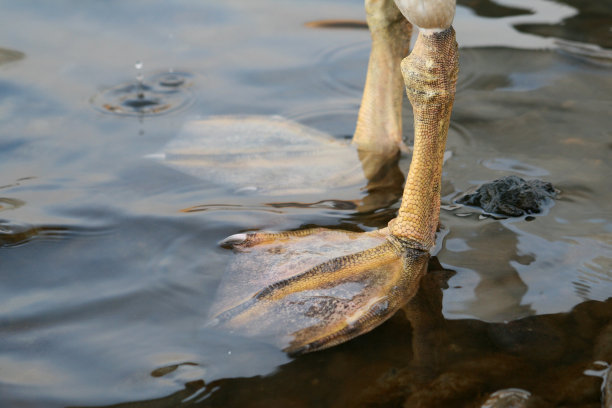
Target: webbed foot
{"type": "Point", "coordinates": [318, 287]}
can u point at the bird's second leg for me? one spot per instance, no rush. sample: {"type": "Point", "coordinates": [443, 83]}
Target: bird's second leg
{"type": "Point", "coordinates": [379, 124]}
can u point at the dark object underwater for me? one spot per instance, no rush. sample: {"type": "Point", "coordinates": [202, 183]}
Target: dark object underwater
{"type": "Point", "coordinates": [512, 196]}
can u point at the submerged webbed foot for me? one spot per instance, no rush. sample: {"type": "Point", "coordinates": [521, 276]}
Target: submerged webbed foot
{"type": "Point", "coordinates": [318, 287]}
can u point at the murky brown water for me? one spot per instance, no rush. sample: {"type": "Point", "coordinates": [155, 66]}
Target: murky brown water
{"type": "Point", "coordinates": [109, 259]}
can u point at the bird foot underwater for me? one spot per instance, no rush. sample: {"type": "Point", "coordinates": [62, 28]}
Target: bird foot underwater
{"type": "Point", "coordinates": [312, 289]}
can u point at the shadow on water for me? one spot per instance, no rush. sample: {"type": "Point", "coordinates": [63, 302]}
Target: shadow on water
{"type": "Point", "coordinates": [419, 358]}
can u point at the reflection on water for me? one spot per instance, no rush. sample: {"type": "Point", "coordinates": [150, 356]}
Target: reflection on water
{"type": "Point", "coordinates": [110, 260]}
{"type": "Point", "coordinates": [421, 359]}
{"type": "Point", "coordinates": [488, 8]}
{"type": "Point", "coordinates": [498, 292]}
{"type": "Point", "coordinates": [591, 24]}
{"type": "Point", "coordinates": [10, 203]}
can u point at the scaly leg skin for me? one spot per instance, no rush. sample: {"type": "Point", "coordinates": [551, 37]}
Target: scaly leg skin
{"type": "Point", "coordinates": [309, 290]}
{"type": "Point", "coordinates": [379, 124]}
{"type": "Point", "coordinates": [430, 74]}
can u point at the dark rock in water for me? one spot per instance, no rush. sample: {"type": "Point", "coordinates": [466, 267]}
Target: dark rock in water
{"type": "Point", "coordinates": [512, 196]}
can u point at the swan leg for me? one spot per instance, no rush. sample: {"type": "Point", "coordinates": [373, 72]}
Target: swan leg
{"type": "Point", "coordinates": [430, 74]}
{"type": "Point", "coordinates": [379, 124]}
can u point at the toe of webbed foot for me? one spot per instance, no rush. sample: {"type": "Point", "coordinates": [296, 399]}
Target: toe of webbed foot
{"type": "Point", "coordinates": [250, 239]}
{"type": "Point", "coordinates": [234, 240]}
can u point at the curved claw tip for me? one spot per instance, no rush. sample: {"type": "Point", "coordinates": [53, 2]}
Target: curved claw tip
{"type": "Point", "coordinates": [233, 240]}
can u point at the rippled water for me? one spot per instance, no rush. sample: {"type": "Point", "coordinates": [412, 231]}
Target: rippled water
{"type": "Point", "coordinates": [109, 260]}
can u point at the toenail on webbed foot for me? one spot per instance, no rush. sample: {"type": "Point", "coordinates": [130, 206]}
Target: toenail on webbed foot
{"type": "Point", "coordinates": [233, 240]}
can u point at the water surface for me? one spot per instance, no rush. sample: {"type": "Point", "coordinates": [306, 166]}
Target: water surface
{"type": "Point", "coordinates": [109, 260]}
